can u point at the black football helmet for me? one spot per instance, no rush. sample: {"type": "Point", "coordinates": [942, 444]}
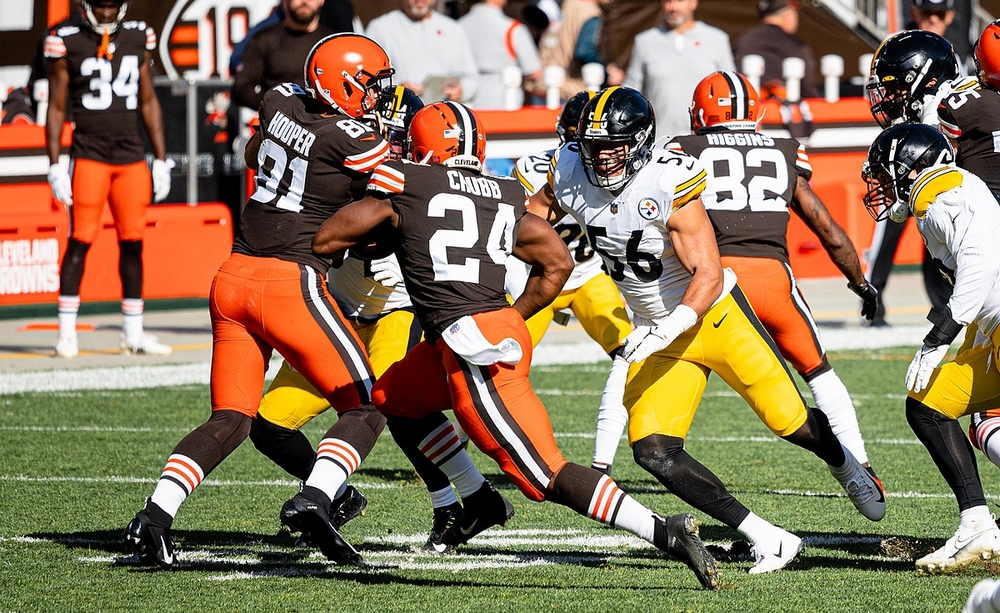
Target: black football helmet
{"type": "Point", "coordinates": [87, 8]}
{"type": "Point", "coordinates": [617, 117]}
{"type": "Point", "coordinates": [898, 154]}
{"type": "Point", "coordinates": [396, 107]}
{"type": "Point", "coordinates": [569, 118]}
{"type": "Point", "coordinates": [905, 68]}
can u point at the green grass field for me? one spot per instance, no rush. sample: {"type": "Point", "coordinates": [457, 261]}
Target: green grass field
{"type": "Point", "coordinates": [76, 467]}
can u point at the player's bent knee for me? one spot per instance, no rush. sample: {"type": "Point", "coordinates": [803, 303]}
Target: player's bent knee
{"type": "Point", "coordinates": [656, 454]}
{"type": "Point", "coordinates": [266, 435]}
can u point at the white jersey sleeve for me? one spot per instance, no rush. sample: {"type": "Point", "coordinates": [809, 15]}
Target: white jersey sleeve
{"type": "Point", "coordinates": [359, 296]}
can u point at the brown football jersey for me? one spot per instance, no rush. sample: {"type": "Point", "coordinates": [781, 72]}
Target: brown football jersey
{"type": "Point", "coordinates": [456, 230]}
{"type": "Point", "coordinates": [972, 118]}
{"type": "Point", "coordinates": [103, 93]}
{"type": "Point", "coordinates": [751, 181]}
{"type": "Point", "coordinates": [310, 163]}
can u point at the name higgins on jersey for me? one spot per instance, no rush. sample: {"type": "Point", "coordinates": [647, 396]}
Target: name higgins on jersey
{"type": "Point", "coordinates": [730, 139]}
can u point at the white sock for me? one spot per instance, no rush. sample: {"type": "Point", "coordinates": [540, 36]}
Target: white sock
{"type": "Point", "coordinates": [756, 528]}
{"type": "Point", "coordinates": [132, 309]}
{"type": "Point", "coordinates": [832, 398]}
{"type": "Point", "coordinates": [69, 307]}
{"type": "Point", "coordinates": [612, 417]}
{"type": "Point", "coordinates": [177, 481]}
{"type": "Point", "coordinates": [976, 517]}
{"type": "Point", "coordinates": [443, 497]}
{"type": "Point", "coordinates": [336, 460]}
{"type": "Point", "coordinates": [463, 474]}
{"type": "Point", "coordinates": [632, 515]}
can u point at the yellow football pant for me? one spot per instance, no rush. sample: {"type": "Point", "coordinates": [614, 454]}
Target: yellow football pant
{"type": "Point", "coordinates": [597, 305]}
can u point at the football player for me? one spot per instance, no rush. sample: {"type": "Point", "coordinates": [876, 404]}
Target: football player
{"type": "Point", "coordinates": [970, 119]}
{"type": "Point", "coordinates": [910, 171]}
{"type": "Point", "coordinates": [101, 71]}
{"type": "Point", "coordinates": [643, 212]}
{"type": "Point", "coordinates": [589, 293]}
{"type": "Point", "coordinates": [371, 294]}
{"type": "Point", "coordinates": [750, 225]}
{"type": "Point", "coordinates": [911, 72]}
{"type": "Point", "coordinates": [271, 294]}
{"type": "Point", "coordinates": [454, 229]}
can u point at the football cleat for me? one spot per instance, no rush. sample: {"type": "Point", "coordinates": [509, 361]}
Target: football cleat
{"type": "Point", "coordinates": [982, 596]}
{"type": "Point", "coordinates": [602, 468]}
{"type": "Point", "coordinates": [484, 509]}
{"type": "Point", "coordinates": [677, 536]}
{"type": "Point", "coordinates": [148, 536]}
{"type": "Point", "coordinates": [313, 519]}
{"type": "Point", "coordinates": [66, 347]}
{"type": "Point", "coordinates": [145, 344]}
{"type": "Point", "coordinates": [777, 553]}
{"type": "Point", "coordinates": [351, 504]}
{"type": "Point", "coordinates": [968, 545]}
{"type": "Point", "coordinates": [444, 518]}
{"type": "Point", "coordinates": [862, 487]}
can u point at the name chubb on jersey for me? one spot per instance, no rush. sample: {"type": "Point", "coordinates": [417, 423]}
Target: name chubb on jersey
{"type": "Point", "coordinates": [291, 133]}
{"type": "Point", "coordinates": [730, 139]}
{"type": "Point", "coordinates": [477, 186]}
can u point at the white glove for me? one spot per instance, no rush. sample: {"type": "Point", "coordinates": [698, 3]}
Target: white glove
{"type": "Point", "coordinates": [386, 271]}
{"type": "Point", "coordinates": [918, 375]}
{"type": "Point", "coordinates": [62, 186]}
{"type": "Point", "coordinates": [644, 341]}
{"type": "Point", "coordinates": [161, 179]}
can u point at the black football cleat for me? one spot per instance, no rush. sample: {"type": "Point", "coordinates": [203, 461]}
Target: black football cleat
{"type": "Point", "coordinates": [148, 536]}
{"type": "Point", "coordinates": [351, 504]}
{"type": "Point", "coordinates": [312, 519]}
{"type": "Point", "coordinates": [444, 518]}
{"type": "Point", "coordinates": [483, 509]}
{"type": "Point", "coordinates": [677, 535]}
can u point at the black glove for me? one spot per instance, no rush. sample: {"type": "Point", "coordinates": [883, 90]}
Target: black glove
{"type": "Point", "coordinates": [869, 299]}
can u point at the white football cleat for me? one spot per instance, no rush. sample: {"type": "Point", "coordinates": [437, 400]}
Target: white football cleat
{"type": "Point", "coordinates": [776, 553]}
{"type": "Point", "coordinates": [66, 347]}
{"type": "Point", "coordinates": [984, 598]}
{"type": "Point", "coordinates": [861, 486]}
{"type": "Point", "coordinates": [968, 545]}
{"type": "Point", "coordinates": [146, 344]}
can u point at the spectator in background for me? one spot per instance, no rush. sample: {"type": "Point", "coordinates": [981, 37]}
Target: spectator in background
{"type": "Point", "coordinates": [107, 155]}
{"type": "Point", "coordinates": [774, 40]}
{"type": "Point", "coordinates": [276, 54]}
{"type": "Point", "coordinates": [338, 15]}
{"type": "Point", "coordinates": [669, 60]}
{"type": "Point", "coordinates": [430, 52]}
{"type": "Point", "coordinates": [937, 16]}
{"type": "Point", "coordinates": [558, 45]}
{"type": "Point", "coordinates": [500, 42]}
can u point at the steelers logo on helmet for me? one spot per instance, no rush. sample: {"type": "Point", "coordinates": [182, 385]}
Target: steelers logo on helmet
{"type": "Point", "coordinates": [649, 209]}
{"type": "Point", "coordinates": [616, 135]}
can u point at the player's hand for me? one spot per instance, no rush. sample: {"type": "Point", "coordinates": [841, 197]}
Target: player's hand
{"type": "Point", "coordinates": [918, 375]}
{"type": "Point", "coordinates": [161, 179]}
{"type": "Point", "coordinates": [644, 341]}
{"type": "Point", "coordinates": [869, 299]}
{"type": "Point", "coordinates": [386, 271]}
{"type": "Point", "coordinates": [62, 186]}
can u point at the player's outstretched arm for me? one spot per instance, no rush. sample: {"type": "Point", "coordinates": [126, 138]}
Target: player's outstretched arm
{"type": "Point", "coordinates": [694, 243]}
{"type": "Point", "coordinates": [837, 244]}
{"type": "Point", "coordinates": [551, 264]}
{"type": "Point", "coordinates": [352, 224]}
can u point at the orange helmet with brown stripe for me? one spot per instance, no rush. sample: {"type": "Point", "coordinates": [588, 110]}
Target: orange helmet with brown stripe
{"type": "Point", "coordinates": [347, 72]}
{"type": "Point", "coordinates": [725, 100]}
{"type": "Point", "coordinates": [448, 133]}
{"type": "Point", "coordinates": [987, 54]}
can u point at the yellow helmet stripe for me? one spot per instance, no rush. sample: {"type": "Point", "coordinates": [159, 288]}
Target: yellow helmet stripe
{"type": "Point", "coordinates": [599, 109]}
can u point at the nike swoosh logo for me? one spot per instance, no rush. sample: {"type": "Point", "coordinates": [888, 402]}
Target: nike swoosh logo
{"type": "Point", "coordinates": [467, 532]}
{"type": "Point", "coordinates": [719, 323]}
{"type": "Point", "coordinates": [960, 543]}
{"type": "Point", "coordinates": [168, 558]}
{"type": "Point", "coordinates": [439, 547]}
{"type": "Point", "coordinates": [780, 545]}
{"type": "Point", "coordinates": [367, 138]}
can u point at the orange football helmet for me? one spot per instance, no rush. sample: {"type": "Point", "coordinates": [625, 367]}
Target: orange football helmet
{"type": "Point", "coordinates": [347, 71]}
{"type": "Point", "coordinates": [987, 54]}
{"type": "Point", "coordinates": [725, 99]}
{"type": "Point", "coordinates": [448, 133]}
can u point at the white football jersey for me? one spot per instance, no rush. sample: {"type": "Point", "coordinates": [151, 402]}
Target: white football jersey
{"type": "Point", "coordinates": [959, 220]}
{"type": "Point", "coordinates": [360, 297]}
{"type": "Point", "coordinates": [629, 230]}
{"type": "Point", "coordinates": [531, 171]}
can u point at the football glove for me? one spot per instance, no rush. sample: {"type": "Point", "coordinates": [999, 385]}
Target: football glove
{"type": "Point", "coordinates": [644, 341]}
{"type": "Point", "coordinates": [386, 271]}
{"type": "Point", "coordinates": [161, 179]}
{"type": "Point", "coordinates": [927, 358]}
{"type": "Point", "coordinates": [869, 299]}
{"type": "Point", "coordinates": [62, 186]}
